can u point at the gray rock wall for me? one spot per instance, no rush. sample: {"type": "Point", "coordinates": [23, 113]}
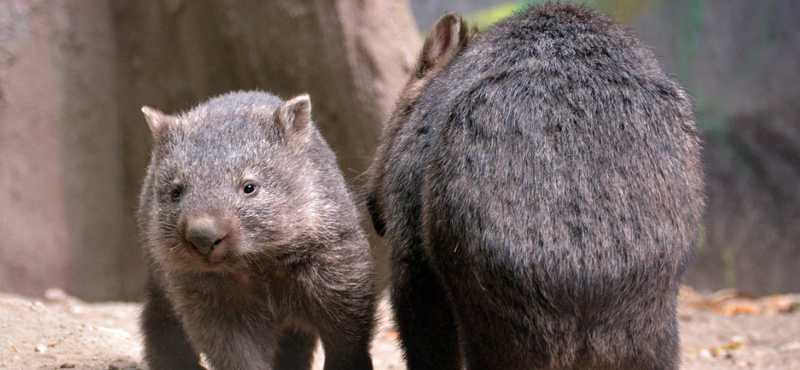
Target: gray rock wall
{"type": "Point", "coordinates": [740, 59]}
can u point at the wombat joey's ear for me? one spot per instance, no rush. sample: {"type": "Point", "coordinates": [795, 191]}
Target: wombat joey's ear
{"type": "Point", "coordinates": [158, 122]}
{"type": "Point", "coordinates": [294, 117]}
{"type": "Point", "coordinates": [447, 37]}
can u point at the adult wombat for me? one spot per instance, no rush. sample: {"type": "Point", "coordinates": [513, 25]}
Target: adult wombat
{"type": "Point", "coordinates": [252, 241]}
{"type": "Point", "coordinates": [540, 187]}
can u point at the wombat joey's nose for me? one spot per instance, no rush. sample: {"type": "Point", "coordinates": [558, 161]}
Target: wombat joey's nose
{"type": "Point", "coordinates": [204, 235]}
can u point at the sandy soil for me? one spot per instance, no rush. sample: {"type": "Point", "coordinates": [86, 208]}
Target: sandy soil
{"type": "Point", "coordinates": [720, 331]}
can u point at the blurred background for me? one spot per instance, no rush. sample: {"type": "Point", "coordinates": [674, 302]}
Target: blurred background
{"type": "Point", "coordinates": [74, 145]}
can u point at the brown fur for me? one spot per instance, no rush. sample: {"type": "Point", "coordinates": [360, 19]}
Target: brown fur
{"type": "Point", "coordinates": [253, 241]}
{"type": "Point", "coordinates": [540, 188]}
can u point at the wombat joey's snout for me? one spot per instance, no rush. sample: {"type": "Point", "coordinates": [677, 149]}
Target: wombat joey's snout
{"type": "Point", "coordinates": [205, 235]}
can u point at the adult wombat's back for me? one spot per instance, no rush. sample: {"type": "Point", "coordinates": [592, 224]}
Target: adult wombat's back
{"type": "Point", "coordinates": [564, 193]}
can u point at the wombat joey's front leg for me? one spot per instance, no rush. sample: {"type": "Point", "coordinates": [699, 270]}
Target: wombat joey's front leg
{"type": "Point", "coordinates": [165, 344]}
{"type": "Point", "coordinates": [295, 351]}
{"type": "Point", "coordinates": [346, 356]}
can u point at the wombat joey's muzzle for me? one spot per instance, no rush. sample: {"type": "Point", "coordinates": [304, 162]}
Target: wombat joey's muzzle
{"type": "Point", "coordinates": [204, 235]}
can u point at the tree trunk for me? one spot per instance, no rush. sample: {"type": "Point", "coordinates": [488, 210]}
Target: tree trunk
{"type": "Point", "coordinates": [61, 205]}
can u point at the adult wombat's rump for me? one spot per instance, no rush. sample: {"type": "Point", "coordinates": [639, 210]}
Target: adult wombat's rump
{"type": "Point", "coordinates": [540, 189]}
{"type": "Point", "coordinates": [252, 240]}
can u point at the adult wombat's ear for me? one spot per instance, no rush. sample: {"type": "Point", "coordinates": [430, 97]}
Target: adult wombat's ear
{"type": "Point", "coordinates": [446, 38]}
{"type": "Point", "coordinates": [294, 117]}
{"type": "Point", "coordinates": [158, 122]}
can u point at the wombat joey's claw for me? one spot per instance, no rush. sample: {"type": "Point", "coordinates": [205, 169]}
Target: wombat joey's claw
{"type": "Point", "coordinates": [203, 235]}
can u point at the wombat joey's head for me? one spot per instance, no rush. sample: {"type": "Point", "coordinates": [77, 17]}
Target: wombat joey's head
{"type": "Point", "coordinates": [444, 41]}
{"type": "Point", "coordinates": [231, 183]}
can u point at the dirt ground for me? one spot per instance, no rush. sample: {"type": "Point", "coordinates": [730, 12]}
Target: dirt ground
{"type": "Point", "coordinates": [720, 331]}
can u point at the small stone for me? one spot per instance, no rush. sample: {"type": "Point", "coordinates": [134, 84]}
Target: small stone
{"type": "Point", "coordinates": [121, 365]}
{"type": "Point", "coordinates": [55, 295]}
{"type": "Point", "coordinates": [791, 346]}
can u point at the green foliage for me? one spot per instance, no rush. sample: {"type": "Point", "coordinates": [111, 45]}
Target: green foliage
{"type": "Point", "coordinates": [710, 117]}
{"type": "Point", "coordinates": [624, 11]}
{"type": "Point", "coordinates": [702, 240]}
{"type": "Point", "coordinates": [729, 259]}
{"type": "Point", "coordinates": [487, 17]}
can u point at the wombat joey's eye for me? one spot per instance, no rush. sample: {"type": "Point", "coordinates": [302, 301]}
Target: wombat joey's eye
{"type": "Point", "coordinates": [175, 193]}
{"type": "Point", "coordinates": [249, 189]}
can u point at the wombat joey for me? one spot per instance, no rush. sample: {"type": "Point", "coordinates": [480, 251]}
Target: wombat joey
{"type": "Point", "coordinates": [252, 240]}
{"type": "Point", "coordinates": [539, 185]}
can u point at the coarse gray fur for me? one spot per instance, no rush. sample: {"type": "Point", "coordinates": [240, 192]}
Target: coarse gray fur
{"type": "Point", "coordinates": [253, 241]}
{"type": "Point", "coordinates": [540, 187]}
